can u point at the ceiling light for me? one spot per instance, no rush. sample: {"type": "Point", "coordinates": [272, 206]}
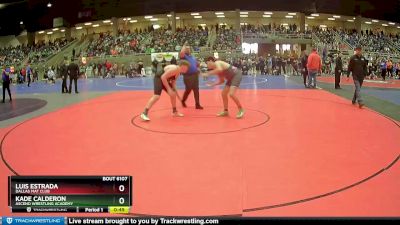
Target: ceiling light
{"type": "Point", "coordinates": [289, 17]}
{"type": "Point", "coordinates": [96, 25]}
{"type": "Point", "coordinates": [244, 13]}
{"type": "Point", "coordinates": [315, 14]}
{"type": "Point", "coordinates": [337, 17]}
{"type": "Point", "coordinates": [332, 19]}
{"type": "Point", "coordinates": [244, 16]}
{"type": "Point", "coordinates": [221, 16]}
{"type": "Point", "coordinates": [55, 29]}
{"type": "Point", "coordinates": [177, 17]}
{"type": "Point", "coordinates": [50, 32]}
{"type": "Point", "coordinates": [49, 5]}
{"type": "Point", "coordinates": [268, 13]}
{"type": "Point", "coordinates": [292, 14]}
{"type": "Point", "coordinates": [88, 24]}
{"type": "Point", "coordinates": [375, 21]}
{"type": "Point", "coordinates": [350, 21]}
{"type": "Point", "coordinates": [78, 28]}
{"type": "Point", "coordinates": [392, 23]}
{"type": "Point", "coordinates": [41, 32]}
{"type": "Point", "coordinates": [367, 22]}
{"type": "Point", "coordinates": [323, 26]}
{"type": "Point", "coordinates": [21, 22]}
{"type": "Point", "coordinates": [194, 14]}
{"type": "Point", "coordinates": [267, 16]}
{"type": "Point", "coordinates": [154, 19]}
{"type": "Point", "coordinates": [385, 25]}
{"type": "Point", "coordinates": [62, 30]}
{"type": "Point", "coordinates": [310, 17]}
{"type": "Point", "coordinates": [148, 17]}
{"type": "Point", "coordinates": [219, 13]}
{"type": "Point", "coordinates": [202, 24]}
{"type": "Point", "coordinates": [169, 15]}
{"type": "Point", "coordinates": [198, 17]}
{"type": "Point", "coordinates": [107, 21]}
{"type": "Point", "coordinates": [133, 21]}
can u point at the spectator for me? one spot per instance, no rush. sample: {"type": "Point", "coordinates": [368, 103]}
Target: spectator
{"type": "Point", "coordinates": [313, 67]}
{"type": "Point", "coordinates": [51, 76]}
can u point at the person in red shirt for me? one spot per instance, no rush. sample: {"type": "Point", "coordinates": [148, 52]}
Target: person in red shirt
{"type": "Point", "coordinates": [108, 67]}
{"type": "Point", "coordinates": [23, 73]}
{"type": "Point", "coordinates": [313, 67]}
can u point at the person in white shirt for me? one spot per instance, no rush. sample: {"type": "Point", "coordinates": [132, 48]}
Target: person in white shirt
{"type": "Point", "coordinates": [51, 76]}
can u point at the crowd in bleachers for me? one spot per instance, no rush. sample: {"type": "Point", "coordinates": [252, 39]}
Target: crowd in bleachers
{"type": "Point", "coordinates": [271, 28]}
{"type": "Point", "coordinates": [218, 38]}
{"type": "Point", "coordinates": [40, 52]}
{"type": "Point", "coordinates": [227, 39]}
{"type": "Point", "coordinates": [326, 38]}
{"type": "Point", "coordinates": [124, 43]}
{"type": "Point", "coordinates": [14, 56]}
{"type": "Point", "coordinates": [162, 40]}
{"type": "Point", "coordinates": [371, 41]}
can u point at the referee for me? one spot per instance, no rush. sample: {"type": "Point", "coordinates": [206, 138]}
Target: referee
{"type": "Point", "coordinates": [6, 84]}
{"type": "Point", "coordinates": [338, 71]}
{"type": "Point", "coordinates": [191, 78]}
{"type": "Point", "coordinates": [358, 68]}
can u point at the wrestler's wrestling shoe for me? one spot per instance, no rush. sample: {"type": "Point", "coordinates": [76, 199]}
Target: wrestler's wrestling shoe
{"type": "Point", "coordinates": [144, 117]}
{"type": "Point", "coordinates": [223, 114]}
{"type": "Point", "coordinates": [177, 114]}
{"type": "Point", "coordinates": [240, 114]}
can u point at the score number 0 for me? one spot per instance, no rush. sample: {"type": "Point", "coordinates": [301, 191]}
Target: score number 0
{"type": "Point", "coordinates": [121, 200]}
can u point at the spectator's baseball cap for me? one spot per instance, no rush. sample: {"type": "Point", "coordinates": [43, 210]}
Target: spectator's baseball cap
{"type": "Point", "coordinates": [359, 48]}
{"type": "Point", "coordinates": [8, 70]}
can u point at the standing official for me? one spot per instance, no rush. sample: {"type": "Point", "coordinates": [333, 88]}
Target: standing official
{"type": "Point", "coordinates": [6, 84]}
{"type": "Point", "coordinates": [338, 71]}
{"type": "Point", "coordinates": [73, 71]}
{"type": "Point", "coordinates": [191, 77]}
{"type": "Point", "coordinates": [64, 76]}
{"type": "Point", "coordinates": [304, 60]}
{"type": "Point", "coordinates": [358, 69]}
{"type": "Point", "coordinates": [28, 74]}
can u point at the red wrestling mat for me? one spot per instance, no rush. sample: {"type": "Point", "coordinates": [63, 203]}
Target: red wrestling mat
{"type": "Point", "coordinates": [293, 149]}
{"type": "Point", "coordinates": [379, 83]}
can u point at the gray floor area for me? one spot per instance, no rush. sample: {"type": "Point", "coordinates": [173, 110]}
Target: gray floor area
{"type": "Point", "coordinates": [55, 101]}
{"type": "Point", "coordinates": [387, 108]}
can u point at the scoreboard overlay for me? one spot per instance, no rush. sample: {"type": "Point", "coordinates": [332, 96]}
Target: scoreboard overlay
{"type": "Point", "coordinates": [96, 194]}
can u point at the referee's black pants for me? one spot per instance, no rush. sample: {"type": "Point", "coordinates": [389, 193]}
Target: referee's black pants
{"type": "Point", "coordinates": [6, 86]}
{"type": "Point", "coordinates": [191, 84]}
{"type": "Point", "coordinates": [337, 78]}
